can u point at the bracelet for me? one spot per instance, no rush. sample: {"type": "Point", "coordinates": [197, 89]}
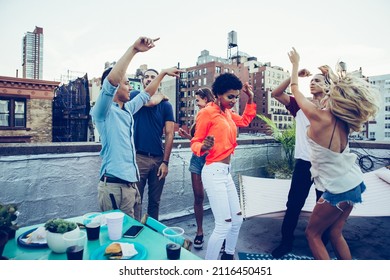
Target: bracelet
{"type": "Point", "coordinates": [166, 162]}
{"type": "Point", "coordinates": [293, 84]}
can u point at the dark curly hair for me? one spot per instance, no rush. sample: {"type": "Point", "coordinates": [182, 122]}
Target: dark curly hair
{"type": "Point", "coordinates": [225, 82]}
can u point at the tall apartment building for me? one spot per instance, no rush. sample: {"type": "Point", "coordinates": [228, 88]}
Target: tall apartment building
{"type": "Point", "coordinates": [32, 60]}
{"type": "Point", "coordinates": [380, 128]}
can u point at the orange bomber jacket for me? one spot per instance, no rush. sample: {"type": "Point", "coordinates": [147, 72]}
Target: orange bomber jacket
{"type": "Point", "coordinates": [223, 126]}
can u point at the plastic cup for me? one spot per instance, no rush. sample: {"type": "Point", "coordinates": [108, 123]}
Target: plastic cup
{"type": "Point", "coordinates": [93, 230]}
{"type": "Point", "coordinates": [75, 245]}
{"type": "Point", "coordinates": [173, 251]}
{"type": "Point", "coordinates": [92, 217]}
{"type": "Point", "coordinates": [75, 252]}
{"type": "Point", "coordinates": [115, 225]}
{"type": "Point", "coordinates": [175, 234]}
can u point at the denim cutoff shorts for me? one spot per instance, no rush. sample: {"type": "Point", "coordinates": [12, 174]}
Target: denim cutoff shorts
{"type": "Point", "coordinates": [352, 196]}
{"type": "Point", "coordinates": [197, 163]}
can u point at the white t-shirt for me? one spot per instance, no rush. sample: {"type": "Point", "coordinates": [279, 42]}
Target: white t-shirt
{"type": "Point", "coordinates": [302, 149]}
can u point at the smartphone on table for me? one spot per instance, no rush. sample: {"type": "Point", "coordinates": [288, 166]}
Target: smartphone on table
{"type": "Point", "coordinates": [133, 231]}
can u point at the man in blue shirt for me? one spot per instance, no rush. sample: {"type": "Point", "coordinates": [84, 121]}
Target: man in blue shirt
{"type": "Point", "coordinates": [113, 117]}
{"type": "Point", "coordinates": [152, 155]}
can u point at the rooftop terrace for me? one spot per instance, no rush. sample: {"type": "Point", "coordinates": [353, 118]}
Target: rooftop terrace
{"type": "Point", "coordinates": [60, 180]}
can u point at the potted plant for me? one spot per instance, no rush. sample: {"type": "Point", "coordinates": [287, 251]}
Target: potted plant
{"type": "Point", "coordinates": [8, 215]}
{"type": "Point", "coordinates": [282, 168]}
{"type": "Point", "coordinates": [55, 228]}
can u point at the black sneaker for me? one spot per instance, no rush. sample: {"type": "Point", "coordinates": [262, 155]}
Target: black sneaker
{"type": "Point", "coordinates": [226, 256]}
{"type": "Point", "coordinates": [281, 250]}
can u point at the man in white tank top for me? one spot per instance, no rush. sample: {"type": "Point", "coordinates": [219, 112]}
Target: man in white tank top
{"type": "Point", "coordinates": [301, 181]}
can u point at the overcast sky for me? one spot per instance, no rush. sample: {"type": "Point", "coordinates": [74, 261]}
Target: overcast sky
{"type": "Point", "coordinates": [79, 36]}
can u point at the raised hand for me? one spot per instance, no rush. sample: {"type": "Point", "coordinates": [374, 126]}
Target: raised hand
{"type": "Point", "coordinates": [144, 44]}
{"type": "Point", "coordinates": [304, 73]}
{"type": "Point", "coordinates": [173, 72]}
{"type": "Point", "coordinates": [294, 56]}
{"type": "Point", "coordinates": [248, 90]}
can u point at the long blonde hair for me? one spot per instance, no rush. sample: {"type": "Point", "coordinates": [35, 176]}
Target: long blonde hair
{"type": "Point", "coordinates": [350, 98]}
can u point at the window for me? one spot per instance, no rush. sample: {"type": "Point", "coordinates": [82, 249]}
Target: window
{"type": "Point", "coordinates": [217, 69]}
{"type": "Point", "coordinates": [4, 112]}
{"type": "Point", "coordinates": [12, 112]}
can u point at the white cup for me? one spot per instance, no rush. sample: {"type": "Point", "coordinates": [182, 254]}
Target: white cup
{"type": "Point", "coordinates": [93, 217]}
{"type": "Point", "coordinates": [114, 222]}
{"type": "Point", "coordinates": [75, 240]}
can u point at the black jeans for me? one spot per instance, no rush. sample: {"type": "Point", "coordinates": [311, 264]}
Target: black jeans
{"type": "Point", "coordinates": [299, 190]}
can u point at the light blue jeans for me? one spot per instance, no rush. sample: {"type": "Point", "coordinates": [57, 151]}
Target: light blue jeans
{"type": "Point", "coordinates": [223, 198]}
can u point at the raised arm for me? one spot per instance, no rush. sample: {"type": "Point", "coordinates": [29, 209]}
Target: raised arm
{"type": "Point", "coordinates": [247, 89]}
{"type": "Point", "coordinates": [311, 111]}
{"type": "Point", "coordinates": [250, 109]}
{"type": "Point", "coordinates": [142, 44]}
{"type": "Point", "coordinates": [156, 99]}
{"type": "Point", "coordinates": [279, 93]}
{"type": "Point", "coordinates": [153, 86]}
{"type": "Point", "coordinates": [116, 76]}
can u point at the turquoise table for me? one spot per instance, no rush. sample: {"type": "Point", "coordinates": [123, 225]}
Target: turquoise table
{"type": "Point", "coordinates": [153, 242]}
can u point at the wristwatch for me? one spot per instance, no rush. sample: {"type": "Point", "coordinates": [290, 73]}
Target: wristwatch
{"type": "Point", "coordinates": [166, 162]}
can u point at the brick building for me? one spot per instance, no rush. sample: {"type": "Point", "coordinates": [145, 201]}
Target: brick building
{"type": "Point", "coordinates": [26, 110]}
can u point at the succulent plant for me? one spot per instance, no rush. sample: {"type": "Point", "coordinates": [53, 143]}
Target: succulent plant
{"type": "Point", "coordinates": [59, 225]}
{"type": "Point", "coordinates": [8, 215]}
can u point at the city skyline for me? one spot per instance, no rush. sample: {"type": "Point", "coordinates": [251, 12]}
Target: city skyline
{"type": "Point", "coordinates": [81, 36]}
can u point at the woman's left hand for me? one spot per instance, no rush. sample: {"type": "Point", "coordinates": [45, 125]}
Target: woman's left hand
{"type": "Point", "coordinates": [247, 89]}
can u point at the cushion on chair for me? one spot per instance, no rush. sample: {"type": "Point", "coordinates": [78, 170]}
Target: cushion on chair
{"type": "Point", "coordinates": [384, 174]}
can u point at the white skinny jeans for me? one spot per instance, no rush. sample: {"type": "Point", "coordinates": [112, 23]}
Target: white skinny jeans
{"type": "Point", "coordinates": [223, 198]}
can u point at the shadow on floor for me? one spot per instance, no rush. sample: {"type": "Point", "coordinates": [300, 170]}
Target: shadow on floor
{"type": "Point", "coordinates": [368, 237]}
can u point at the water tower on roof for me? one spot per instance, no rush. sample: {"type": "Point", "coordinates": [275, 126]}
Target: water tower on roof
{"type": "Point", "coordinates": [232, 43]}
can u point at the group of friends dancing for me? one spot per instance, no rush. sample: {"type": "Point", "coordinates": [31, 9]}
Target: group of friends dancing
{"type": "Point", "coordinates": [340, 104]}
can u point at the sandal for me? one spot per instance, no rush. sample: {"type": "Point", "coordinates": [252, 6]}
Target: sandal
{"type": "Point", "coordinates": [198, 242]}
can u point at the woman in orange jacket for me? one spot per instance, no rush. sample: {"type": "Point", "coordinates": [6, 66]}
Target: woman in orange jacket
{"type": "Point", "coordinates": [216, 134]}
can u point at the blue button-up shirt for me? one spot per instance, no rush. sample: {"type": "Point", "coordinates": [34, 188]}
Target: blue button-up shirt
{"type": "Point", "coordinates": [115, 126]}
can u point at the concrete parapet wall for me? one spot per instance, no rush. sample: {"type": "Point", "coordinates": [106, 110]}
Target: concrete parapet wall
{"type": "Point", "coordinates": [63, 181]}
{"type": "Point", "coordinates": [48, 185]}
